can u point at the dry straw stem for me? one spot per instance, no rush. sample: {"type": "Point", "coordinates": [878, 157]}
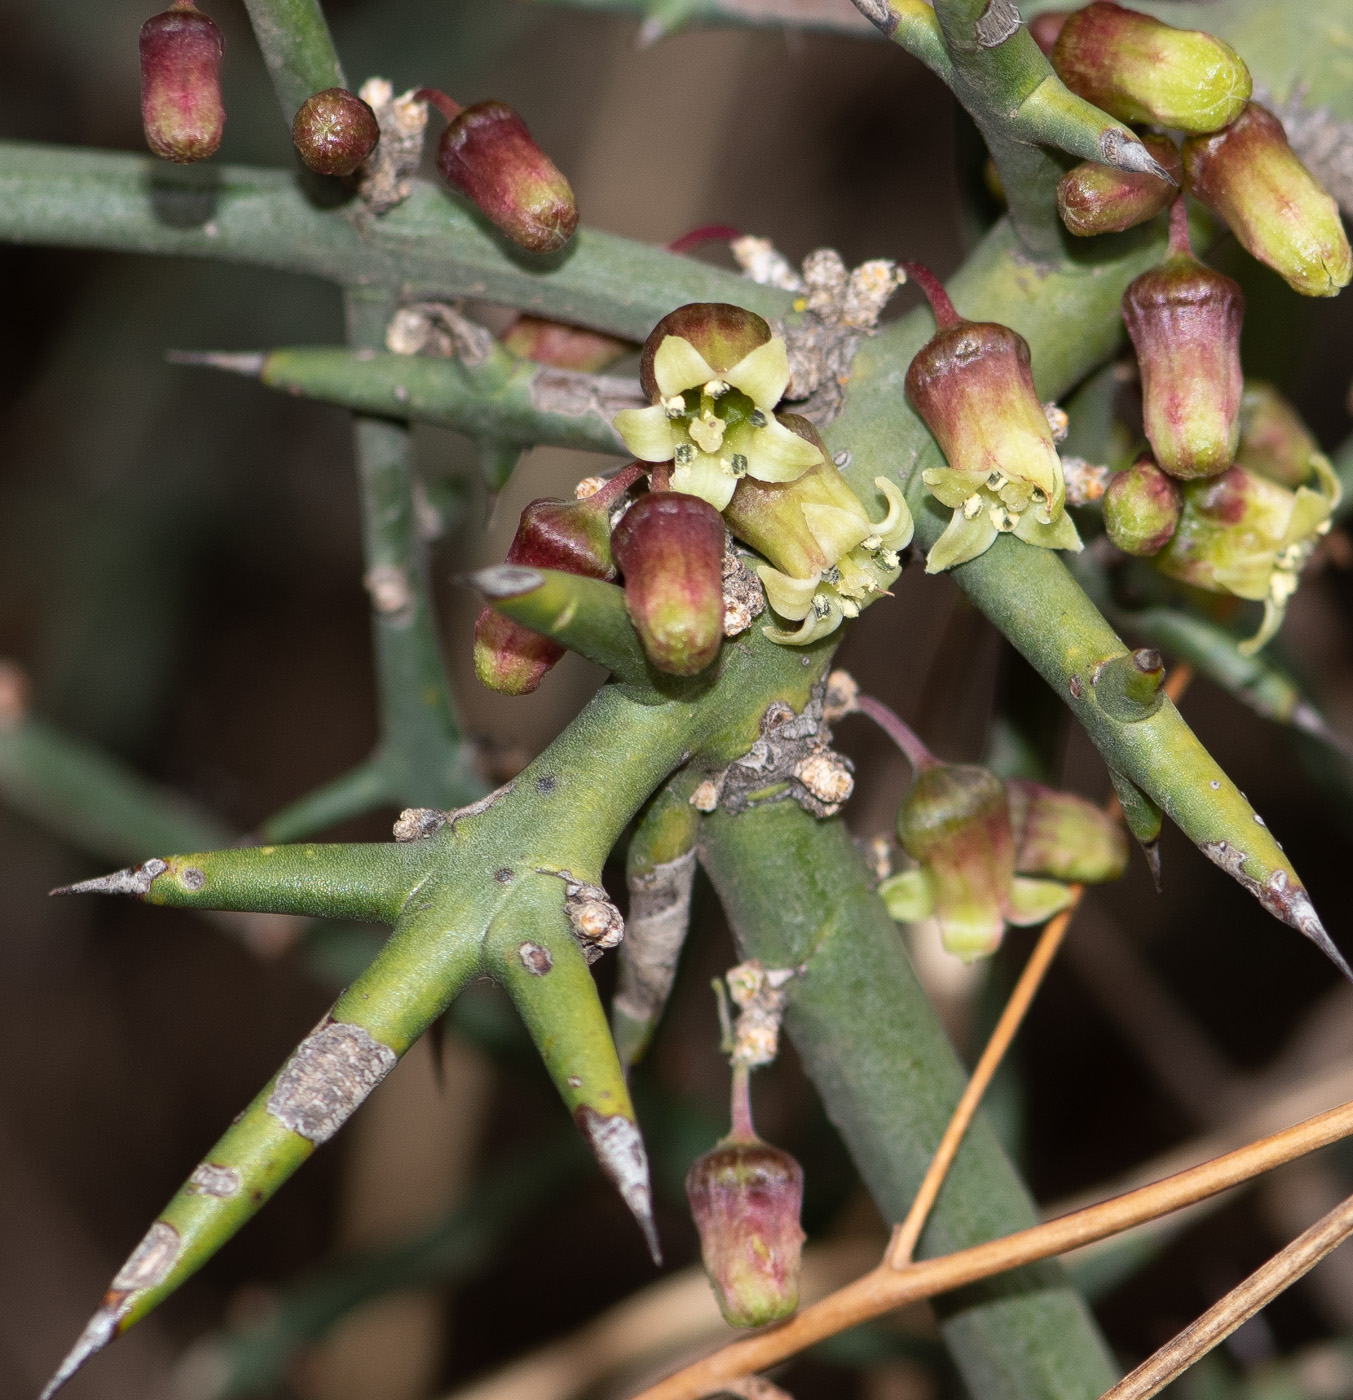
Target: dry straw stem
{"type": "Point", "coordinates": [1237, 1307]}
{"type": "Point", "coordinates": [906, 1234]}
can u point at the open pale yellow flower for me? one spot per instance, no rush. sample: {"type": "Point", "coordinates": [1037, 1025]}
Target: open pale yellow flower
{"type": "Point", "coordinates": [716, 427]}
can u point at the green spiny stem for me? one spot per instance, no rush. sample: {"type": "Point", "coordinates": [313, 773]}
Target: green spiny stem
{"type": "Point", "coordinates": [583, 614]}
{"type": "Point", "coordinates": [297, 48]}
{"type": "Point", "coordinates": [510, 402]}
{"type": "Point", "coordinates": [659, 870]}
{"type": "Point", "coordinates": [798, 896]}
{"type": "Point", "coordinates": [93, 801]}
{"type": "Point", "coordinates": [1027, 592]}
{"type": "Point", "coordinates": [430, 246]}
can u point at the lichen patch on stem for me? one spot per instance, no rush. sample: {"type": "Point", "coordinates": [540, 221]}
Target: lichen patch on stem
{"type": "Point", "coordinates": [327, 1077]}
{"type": "Point", "coordinates": [660, 911]}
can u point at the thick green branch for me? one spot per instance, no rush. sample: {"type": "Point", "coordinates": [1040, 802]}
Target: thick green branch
{"type": "Point", "coordinates": [297, 49]}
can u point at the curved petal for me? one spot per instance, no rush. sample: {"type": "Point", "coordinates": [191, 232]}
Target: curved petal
{"type": "Point", "coordinates": [1036, 901]}
{"type": "Point", "coordinates": [814, 626]}
{"type": "Point", "coordinates": [908, 896]}
{"type": "Point", "coordinates": [1061, 534]}
{"type": "Point", "coordinates": [836, 531]}
{"type": "Point", "coordinates": [962, 540]}
{"type": "Point", "coordinates": [647, 432]}
{"type": "Point", "coordinates": [1274, 611]}
{"type": "Point", "coordinates": [897, 527]}
{"type": "Point", "coordinates": [790, 597]}
{"type": "Point", "coordinates": [775, 454]}
{"type": "Point", "coordinates": [704, 477]}
{"type": "Point", "coordinates": [679, 366]}
{"type": "Point", "coordinates": [763, 374]}
{"type": "Point", "coordinates": [951, 488]}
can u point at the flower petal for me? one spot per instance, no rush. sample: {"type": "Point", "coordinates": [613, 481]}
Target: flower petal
{"type": "Point", "coordinates": [775, 454]}
{"type": "Point", "coordinates": [1274, 611]}
{"type": "Point", "coordinates": [1036, 901]}
{"type": "Point", "coordinates": [679, 366]}
{"type": "Point", "coordinates": [952, 488]}
{"type": "Point", "coordinates": [790, 597]}
{"type": "Point", "coordinates": [763, 374]}
{"type": "Point", "coordinates": [908, 896]}
{"type": "Point", "coordinates": [962, 540]}
{"type": "Point", "coordinates": [647, 432]}
{"type": "Point", "coordinates": [1061, 534]}
{"type": "Point", "coordinates": [704, 477]}
{"type": "Point", "coordinates": [814, 626]}
{"type": "Point", "coordinates": [836, 531]}
{"type": "Point", "coordinates": [897, 527]}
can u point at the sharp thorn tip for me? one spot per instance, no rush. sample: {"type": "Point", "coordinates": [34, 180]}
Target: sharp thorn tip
{"type": "Point", "coordinates": [1151, 850]}
{"type": "Point", "coordinates": [134, 880]}
{"type": "Point", "coordinates": [249, 362]}
{"type": "Point", "coordinates": [99, 1331]}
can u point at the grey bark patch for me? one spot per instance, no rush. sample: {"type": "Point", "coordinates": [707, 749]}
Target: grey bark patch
{"type": "Point", "coordinates": [151, 1260]}
{"type": "Point", "coordinates": [880, 14]}
{"type": "Point", "coordinates": [330, 1073]}
{"type": "Point", "coordinates": [595, 921]}
{"type": "Point", "coordinates": [385, 178]}
{"type": "Point", "coordinates": [744, 600]}
{"type": "Point", "coordinates": [192, 878]}
{"type": "Point", "coordinates": [619, 1149]}
{"type": "Point", "coordinates": [208, 1179]}
{"type": "Point", "coordinates": [135, 880]}
{"type": "Point", "coordinates": [996, 23]}
{"type": "Point", "coordinates": [415, 823]}
{"type": "Point", "coordinates": [535, 959]}
{"type": "Point", "coordinates": [506, 580]}
{"type": "Point", "coordinates": [660, 912]}
{"type": "Point", "coordinates": [573, 394]}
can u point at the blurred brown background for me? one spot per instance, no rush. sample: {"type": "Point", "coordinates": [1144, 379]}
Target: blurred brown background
{"type": "Point", "coordinates": [180, 576]}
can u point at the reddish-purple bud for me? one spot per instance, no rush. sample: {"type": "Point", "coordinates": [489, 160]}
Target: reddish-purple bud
{"type": "Point", "coordinates": [181, 107]}
{"type": "Point", "coordinates": [1097, 199]}
{"type": "Point", "coordinates": [1063, 836]}
{"type": "Point", "coordinates": [1141, 508]}
{"type": "Point", "coordinates": [573, 536]}
{"type": "Point", "coordinates": [723, 334]}
{"type": "Point", "coordinates": [1278, 210]}
{"type": "Point", "coordinates": [335, 131]}
{"type": "Point", "coordinates": [487, 154]}
{"type": "Point", "coordinates": [1140, 69]}
{"type": "Point", "coordinates": [1044, 28]}
{"type": "Point", "coordinates": [1184, 320]}
{"type": "Point", "coordinates": [746, 1197]}
{"type": "Point", "coordinates": [669, 546]}
{"type": "Point", "coordinates": [563, 346]}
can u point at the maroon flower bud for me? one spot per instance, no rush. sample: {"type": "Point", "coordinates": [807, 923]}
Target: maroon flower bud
{"type": "Point", "coordinates": [1139, 69]}
{"type": "Point", "coordinates": [487, 154]}
{"type": "Point", "coordinates": [181, 83]}
{"type": "Point", "coordinates": [746, 1197]}
{"type": "Point", "coordinates": [1097, 199]}
{"type": "Point", "coordinates": [563, 346]}
{"type": "Point", "coordinates": [1061, 835]}
{"type": "Point", "coordinates": [573, 536]}
{"type": "Point", "coordinates": [1141, 508]}
{"type": "Point", "coordinates": [1184, 320]}
{"type": "Point", "coordinates": [670, 549]}
{"type": "Point", "coordinates": [335, 131]}
{"type": "Point", "coordinates": [1044, 28]}
{"type": "Point", "coordinates": [1277, 209]}
{"type": "Point", "coordinates": [722, 334]}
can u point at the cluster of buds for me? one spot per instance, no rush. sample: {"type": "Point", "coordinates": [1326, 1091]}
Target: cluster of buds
{"type": "Point", "coordinates": [572, 536]}
{"type": "Point", "coordinates": [487, 153]}
{"type": "Point", "coordinates": [181, 107]}
{"type": "Point", "coordinates": [973, 386]}
{"type": "Point", "coordinates": [746, 1195]}
{"type": "Point", "coordinates": [990, 853]}
{"type": "Point", "coordinates": [715, 375]}
{"type": "Point", "coordinates": [334, 131]}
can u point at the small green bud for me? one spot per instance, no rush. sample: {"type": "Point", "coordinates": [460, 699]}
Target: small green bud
{"type": "Point", "coordinates": [181, 107]}
{"type": "Point", "coordinates": [487, 154]}
{"type": "Point", "coordinates": [1098, 199]}
{"type": "Point", "coordinates": [1141, 508]}
{"type": "Point", "coordinates": [1277, 209]}
{"type": "Point", "coordinates": [334, 131]}
{"type": "Point", "coordinates": [746, 1196]}
{"type": "Point", "coordinates": [1063, 836]}
{"type": "Point", "coordinates": [1139, 69]}
{"type": "Point", "coordinates": [1243, 534]}
{"type": "Point", "coordinates": [1184, 320]}
{"type": "Point", "coordinates": [670, 550]}
{"type": "Point", "coordinates": [1128, 687]}
{"type": "Point", "coordinates": [1274, 442]}
{"type": "Point", "coordinates": [563, 346]}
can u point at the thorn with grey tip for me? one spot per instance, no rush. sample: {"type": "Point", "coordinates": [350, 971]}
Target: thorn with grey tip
{"type": "Point", "coordinates": [248, 362]}
{"type": "Point", "coordinates": [99, 1331]}
{"type": "Point", "coordinates": [135, 881]}
{"type": "Point", "coordinates": [618, 1146]}
{"type": "Point", "coordinates": [1310, 721]}
{"type": "Point", "coordinates": [1151, 850]}
{"type": "Point", "coordinates": [1135, 156]}
{"type": "Point", "coordinates": [1298, 911]}
{"type": "Point", "coordinates": [504, 581]}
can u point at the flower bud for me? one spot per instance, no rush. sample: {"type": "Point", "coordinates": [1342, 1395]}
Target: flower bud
{"type": "Point", "coordinates": [1098, 199]}
{"type": "Point", "coordinates": [1184, 320]}
{"type": "Point", "coordinates": [1045, 27]}
{"type": "Point", "coordinates": [1139, 69]}
{"type": "Point", "coordinates": [746, 1197]}
{"type": "Point", "coordinates": [563, 346]}
{"type": "Point", "coordinates": [1242, 534]}
{"type": "Point", "coordinates": [487, 154]}
{"type": "Point", "coordinates": [1278, 210]}
{"type": "Point", "coordinates": [334, 131]}
{"type": "Point", "coordinates": [1063, 836]}
{"type": "Point", "coordinates": [973, 385]}
{"type": "Point", "coordinates": [1274, 442]}
{"type": "Point", "coordinates": [1141, 508]}
{"type": "Point", "coordinates": [723, 335]}
{"type": "Point", "coordinates": [574, 536]}
{"type": "Point", "coordinates": [670, 549]}
{"type": "Point", "coordinates": [181, 107]}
